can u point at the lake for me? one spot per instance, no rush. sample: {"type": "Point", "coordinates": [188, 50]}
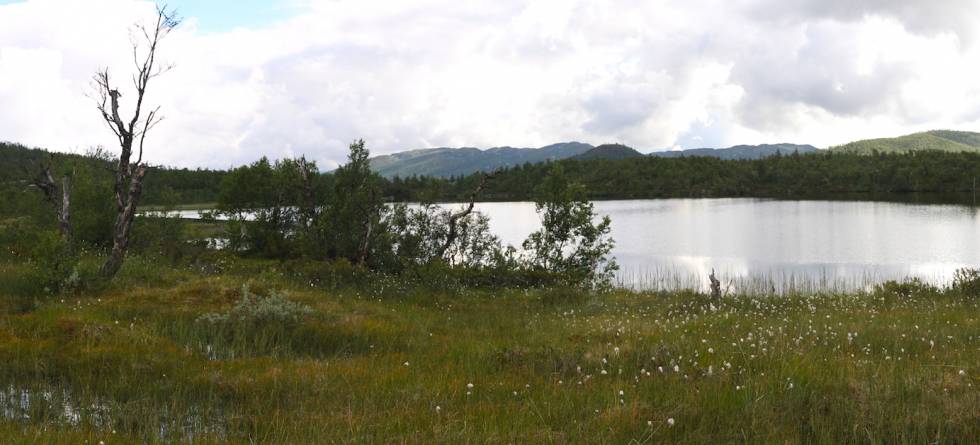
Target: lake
{"type": "Point", "coordinates": [771, 245]}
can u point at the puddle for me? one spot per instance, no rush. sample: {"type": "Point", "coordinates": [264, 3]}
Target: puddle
{"type": "Point", "coordinates": [59, 409]}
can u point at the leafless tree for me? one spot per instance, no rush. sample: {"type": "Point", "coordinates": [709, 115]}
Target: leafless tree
{"type": "Point", "coordinates": [59, 195]}
{"type": "Point", "coordinates": [128, 174]}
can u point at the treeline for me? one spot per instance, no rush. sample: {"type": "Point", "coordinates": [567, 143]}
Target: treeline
{"type": "Point", "coordinates": [795, 176]}
{"type": "Point", "coordinates": [286, 209]}
{"type": "Point", "coordinates": [163, 185]}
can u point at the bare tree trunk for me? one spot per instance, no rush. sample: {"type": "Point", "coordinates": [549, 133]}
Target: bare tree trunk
{"type": "Point", "coordinates": [366, 245]}
{"type": "Point", "coordinates": [64, 216]}
{"type": "Point", "coordinates": [129, 175]}
{"type": "Point", "coordinates": [455, 217]}
{"type": "Point", "coordinates": [60, 200]}
{"type": "Point", "coordinates": [124, 224]}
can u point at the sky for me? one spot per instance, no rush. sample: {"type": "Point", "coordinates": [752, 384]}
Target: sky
{"type": "Point", "coordinates": [306, 77]}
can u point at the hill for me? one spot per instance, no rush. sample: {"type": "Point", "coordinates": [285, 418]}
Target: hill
{"type": "Point", "coordinates": [938, 140]}
{"type": "Point", "coordinates": [609, 151]}
{"type": "Point", "coordinates": [446, 162]}
{"type": "Point", "coordinates": [739, 151]}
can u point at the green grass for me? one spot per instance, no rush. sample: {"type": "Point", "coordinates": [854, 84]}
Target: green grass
{"type": "Point", "coordinates": [391, 364]}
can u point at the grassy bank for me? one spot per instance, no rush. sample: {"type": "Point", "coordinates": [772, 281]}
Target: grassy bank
{"type": "Point", "coordinates": [391, 363]}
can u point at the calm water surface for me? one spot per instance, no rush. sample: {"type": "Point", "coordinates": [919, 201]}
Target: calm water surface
{"type": "Point", "coordinates": [774, 245]}
{"type": "Point", "coordinates": [771, 245]}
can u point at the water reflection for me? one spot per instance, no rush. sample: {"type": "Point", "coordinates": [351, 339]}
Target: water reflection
{"type": "Point", "coordinates": [836, 244]}
{"type": "Point", "coordinates": [767, 244]}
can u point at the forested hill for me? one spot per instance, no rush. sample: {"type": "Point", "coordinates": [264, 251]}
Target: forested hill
{"type": "Point", "coordinates": [163, 185]}
{"type": "Point", "coordinates": [938, 140]}
{"type": "Point", "coordinates": [739, 151]}
{"type": "Point", "coordinates": [816, 175]}
{"type": "Point", "coordinates": [609, 151]}
{"type": "Point", "coordinates": [449, 162]}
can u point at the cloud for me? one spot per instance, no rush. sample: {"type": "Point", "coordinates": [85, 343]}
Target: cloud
{"type": "Point", "coordinates": [406, 75]}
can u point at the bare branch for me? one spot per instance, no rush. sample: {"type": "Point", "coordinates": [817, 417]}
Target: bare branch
{"type": "Point", "coordinates": [455, 217]}
{"type": "Point", "coordinates": [129, 176]}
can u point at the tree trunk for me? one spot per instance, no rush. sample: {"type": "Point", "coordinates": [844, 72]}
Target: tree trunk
{"type": "Point", "coordinates": [60, 201]}
{"type": "Point", "coordinates": [124, 223]}
{"type": "Point", "coordinates": [64, 216]}
{"type": "Point", "coordinates": [715, 285]}
{"type": "Point", "coordinates": [366, 245]}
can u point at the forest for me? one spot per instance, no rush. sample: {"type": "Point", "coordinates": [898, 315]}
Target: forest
{"type": "Point", "coordinates": [944, 176]}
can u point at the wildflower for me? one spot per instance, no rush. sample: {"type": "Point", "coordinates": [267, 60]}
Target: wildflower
{"type": "Point", "coordinates": [438, 408]}
{"type": "Point", "coordinates": [962, 372]}
{"type": "Point", "coordinates": [469, 386]}
{"type": "Point", "coordinates": [406, 363]}
{"type": "Point", "coordinates": [670, 421]}
{"type": "Point", "coordinates": [603, 372]}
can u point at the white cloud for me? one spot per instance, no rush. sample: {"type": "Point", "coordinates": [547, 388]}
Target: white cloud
{"type": "Point", "coordinates": [403, 75]}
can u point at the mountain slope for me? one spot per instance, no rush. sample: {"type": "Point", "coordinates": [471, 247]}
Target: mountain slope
{"type": "Point", "coordinates": [609, 151]}
{"type": "Point", "coordinates": [445, 162]}
{"type": "Point", "coordinates": [940, 140]}
{"type": "Point", "coordinates": [739, 151]}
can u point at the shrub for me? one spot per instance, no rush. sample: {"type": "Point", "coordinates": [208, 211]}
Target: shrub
{"type": "Point", "coordinates": [256, 325]}
{"type": "Point", "coordinates": [52, 261]}
{"type": "Point", "coordinates": [905, 289]}
{"type": "Point", "coordinates": [967, 282]}
{"type": "Point", "coordinates": [569, 241]}
{"type": "Point", "coordinates": [254, 310]}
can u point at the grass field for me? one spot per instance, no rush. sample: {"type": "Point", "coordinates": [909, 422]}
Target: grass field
{"type": "Point", "coordinates": [391, 363]}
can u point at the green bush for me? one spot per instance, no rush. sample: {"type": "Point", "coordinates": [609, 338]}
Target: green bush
{"type": "Point", "coordinates": [905, 289]}
{"type": "Point", "coordinates": [52, 260]}
{"type": "Point", "coordinates": [256, 325]}
{"type": "Point", "coordinates": [966, 282]}
{"type": "Point", "coordinates": [254, 310]}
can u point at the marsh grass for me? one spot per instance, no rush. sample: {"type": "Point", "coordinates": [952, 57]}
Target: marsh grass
{"type": "Point", "coordinates": [393, 362]}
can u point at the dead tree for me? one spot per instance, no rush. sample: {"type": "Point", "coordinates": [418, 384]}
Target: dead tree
{"type": "Point", "coordinates": [128, 174]}
{"type": "Point", "coordinates": [59, 196]}
{"type": "Point", "coordinates": [454, 218]}
{"type": "Point", "coordinates": [715, 285]}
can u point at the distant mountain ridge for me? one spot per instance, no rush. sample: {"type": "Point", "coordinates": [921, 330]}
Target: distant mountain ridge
{"type": "Point", "coordinates": [940, 140]}
{"type": "Point", "coordinates": [740, 151]}
{"type": "Point", "coordinates": [445, 162]}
